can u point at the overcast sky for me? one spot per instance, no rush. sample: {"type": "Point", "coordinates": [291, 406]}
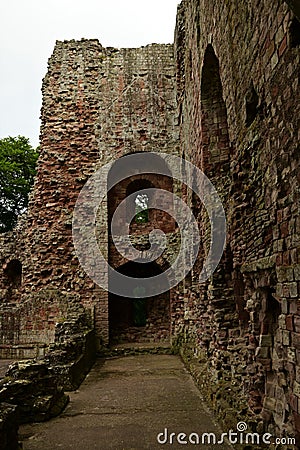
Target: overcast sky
{"type": "Point", "coordinates": [29, 29]}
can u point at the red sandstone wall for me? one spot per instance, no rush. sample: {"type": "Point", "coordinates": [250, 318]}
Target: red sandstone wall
{"type": "Point", "coordinates": [255, 169]}
{"type": "Point", "coordinates": [98, 104]}
{"type": "Point", "coordinates": [237, 69]}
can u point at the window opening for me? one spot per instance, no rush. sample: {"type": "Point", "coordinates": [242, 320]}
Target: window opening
{"type": "Point", "coordinates": [13, 272]}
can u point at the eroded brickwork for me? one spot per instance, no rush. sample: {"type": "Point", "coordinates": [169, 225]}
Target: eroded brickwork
{"type": "Point", "coordinates": [238, 92]}
{"type": "Point", "coordinates": [226, 98]}
{"type": "Point", "coordinates": [98, 105]}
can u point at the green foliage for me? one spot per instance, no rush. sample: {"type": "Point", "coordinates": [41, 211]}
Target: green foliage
{"type": "Point", "coordinates": [142, 216]}
{"type": "Point", "coordinates": [141, 208]}
{"type": "Point", "coordinates": [17, 170]}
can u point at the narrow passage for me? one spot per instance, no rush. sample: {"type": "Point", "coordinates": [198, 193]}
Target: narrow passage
{"type": "Point", "coordinates": [123, 404]}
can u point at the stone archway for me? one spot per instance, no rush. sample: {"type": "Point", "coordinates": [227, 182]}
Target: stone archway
{"type": "Point", "coordinates": [135, 319]}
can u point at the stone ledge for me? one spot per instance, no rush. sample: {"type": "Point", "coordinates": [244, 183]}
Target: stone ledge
{"type": "Point", "coordinates": [261, 264]}
{"type": "Point", "coordinates": [129, 349]}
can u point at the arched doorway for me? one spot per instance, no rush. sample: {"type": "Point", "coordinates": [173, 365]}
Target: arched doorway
{"type": "Point", "coordinates": [132, 201]}
{"type": "Point", "coordinates": [137, 175]}
{"type": "Point", "coordinates": [138, 319]}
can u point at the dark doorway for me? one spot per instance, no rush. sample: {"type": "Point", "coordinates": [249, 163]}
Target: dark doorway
{"type": "Point", "coordinates": [139, 319]}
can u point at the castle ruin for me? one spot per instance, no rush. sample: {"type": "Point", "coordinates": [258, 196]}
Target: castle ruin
{"type": "Point", "coordinates": [224, 97]}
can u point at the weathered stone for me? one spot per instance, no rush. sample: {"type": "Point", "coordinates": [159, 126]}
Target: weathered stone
{"type": "Point", "coordinates": [225, 96]}
{"type": "Point", "coordinates": [9, 427]}
{"type": "Point", "coordinates": [265, 340]}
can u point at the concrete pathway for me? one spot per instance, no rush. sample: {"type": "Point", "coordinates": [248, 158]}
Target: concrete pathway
{"type": "Point", "coordinates": [123, 404]}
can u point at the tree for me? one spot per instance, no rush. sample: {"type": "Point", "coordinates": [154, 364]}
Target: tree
{"type": "Point", "coordinates": [17, 170]}
{"type": "Point", "coordinates": [141, 208]}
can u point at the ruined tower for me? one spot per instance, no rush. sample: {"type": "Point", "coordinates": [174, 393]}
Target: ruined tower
{"type": "Point", "coordinates": [224, 97]}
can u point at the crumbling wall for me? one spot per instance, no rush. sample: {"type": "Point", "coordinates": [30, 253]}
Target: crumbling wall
{"type": "Point", "coordinates": [237, 107]}
{"type": "Point", "coordinates": [37, 386]}
{"type": "Point", "coordinates": [242, 326]}
{"type": "Point", "coordinates": [98, 104]}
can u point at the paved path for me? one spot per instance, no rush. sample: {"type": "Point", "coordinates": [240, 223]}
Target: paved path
{"type": "Point", "coordinates": [123, 404]}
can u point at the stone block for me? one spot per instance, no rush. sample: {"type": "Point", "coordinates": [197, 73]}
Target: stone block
{"type": "Point", "coordinates": [297, 370]}
{"type": "Point", "coordinates": [294, 400]}
{"type": "Point", "coordinates": [296, 320]}
{"type": "Point", "coordinates": [296, 340]}
{"type": "Point", "coordinates": [284, 274]}
{"type": "Point", "coordinates": [291, 355]}
{"type": "Point", "coordinates": [296, 389]}
{"type": "Point", "coordinates": [286, 338]}
{"type": "Point", "coordinates": [297, 272]}
{"type": "Point", "coordinates": [290, 322]}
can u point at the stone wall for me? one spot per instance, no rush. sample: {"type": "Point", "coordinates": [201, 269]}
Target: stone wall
{"type": "Point", "coordinates": [98, 104]}
{"type": "Point", "coordinates": [238, 97]}
{"type": "Point", "coordinates": [36, 386]}
{"type": "Point", "coordinates": [226, 98]}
